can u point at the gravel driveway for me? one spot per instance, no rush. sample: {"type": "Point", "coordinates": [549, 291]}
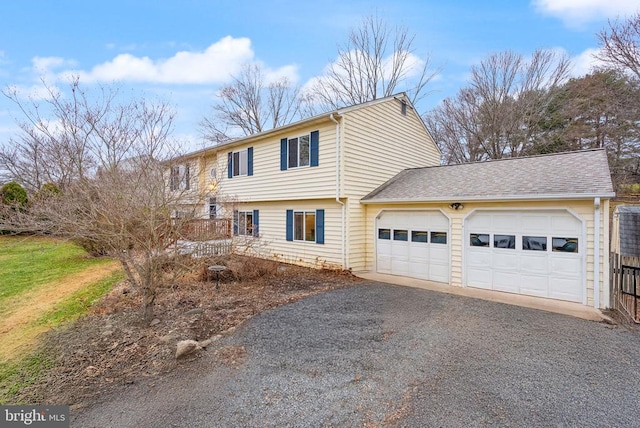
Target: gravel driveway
{"type": "Point", "coordinates": [384, 355]}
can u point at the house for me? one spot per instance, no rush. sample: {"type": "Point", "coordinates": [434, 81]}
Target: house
{"type": "Point", "coordinates": [361, 188]}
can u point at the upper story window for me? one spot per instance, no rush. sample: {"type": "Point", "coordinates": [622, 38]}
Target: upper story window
{"type": "Point", "coordinates": [299, 151]}
{"type": "Point", "coordinates": [240, 163]}
{"type": "Point", "coordinates": [180, 177]}
{"type": "Point", "coordinates": [298, 148]}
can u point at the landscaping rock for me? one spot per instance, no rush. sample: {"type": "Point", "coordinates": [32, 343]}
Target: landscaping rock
{"type": "Point", "coordinates": [186, 347]}
{"type": "Point", "coordinates": [154, 322]}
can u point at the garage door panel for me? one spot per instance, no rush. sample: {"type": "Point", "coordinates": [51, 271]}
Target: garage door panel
{"type": "Point", "coordinates": [399, 266]}
{"type": "Point", "coordinates": [506, 222]}
{"type": "Point", "coordinates": [479, 258]}
{"type": "Point", "coordinates": [534, 285]}
{"type": "Point", "coordinates": [564, 224]}
{"type": "Point", "coordinates": [400, 249]}
{"type": "Point", "coordinates": [566, 289]}
{"type": "Point", "coordinates": [506, 281]}
{"type": "Point", "coordinates": [505, 259]}
{"type": "Point", "coordinates": [384, 264]}
{"type": "Point", "coordinates": [567, 266]}
{"type": "Point", "coordinates": [480, 278]}
{"type": "Point", "coordinates": [384, 247]}
{"type": "Point", "coordinates": [418, 270]}
{"type": "Point", "coordinates": [530, 268]}
{"type": "Point", "coordinates": [439, 273]}
{"type": "Point", "coordinates": [414, 258]}
{"type": "Point", "coordinates": [538, 263]}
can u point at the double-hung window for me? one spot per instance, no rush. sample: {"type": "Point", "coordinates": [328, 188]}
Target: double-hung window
{"type": "Point", "coordinates": [180, 177]}
{"type": "Point", "coordinates": [240, 163]}
{"type": "Point", "coordinates": [304, 226]}
{"type": "Point", "coordinates": [299, 151]}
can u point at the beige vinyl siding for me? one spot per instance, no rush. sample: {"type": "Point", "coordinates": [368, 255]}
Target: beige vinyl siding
{"type": "Point", "coordinates": [272, 243]}
{"type": "Point", "coordinates": [269, 183]}
{"type": "Point", "coordinates": [583, 209]}
{"type": "Point", "coordinates": [379, 142]}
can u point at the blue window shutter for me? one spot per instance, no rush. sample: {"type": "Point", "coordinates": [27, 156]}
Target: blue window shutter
{"type": "Point", "coordinates": [256, 223]}
{"type": "Point", "coordinates": [289, 225]}
{"type": "Point", "coordinates": [315, 143]}
{"type": "Point", "coordinates": [235, 222]}
{"type": "Point", "coordinates": [319, 226]}
{"type": "Point", "coordinates": [230, 165]}
{"type": "Point", "coordinates": [250, 161]}
{"type": "Point", "coordinates": [283, 154]}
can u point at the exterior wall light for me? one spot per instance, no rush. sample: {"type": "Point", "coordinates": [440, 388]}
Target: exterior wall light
{"type": "Point", "coordinates": [456, 206]}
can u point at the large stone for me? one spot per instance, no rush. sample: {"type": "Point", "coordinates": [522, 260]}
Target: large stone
{"type": "Point", "coordinates": [186, 347]}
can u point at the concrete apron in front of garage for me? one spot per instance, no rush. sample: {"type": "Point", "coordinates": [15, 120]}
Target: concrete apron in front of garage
{"type": "Point", "coordinates": [558, 306]}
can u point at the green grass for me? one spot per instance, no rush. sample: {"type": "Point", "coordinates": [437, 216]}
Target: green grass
{"type": "Point", "coordinates": [79, 303]}
{"type": "Point", "coordinates": [26, 264]}
{"type": "Point", "coordinates": [17, 375]}
{"type": "Point", "coordinates": [30, 262]}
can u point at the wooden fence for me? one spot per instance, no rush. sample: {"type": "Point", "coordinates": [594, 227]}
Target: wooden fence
{"type": "Point", "coordinates": [625, 285]}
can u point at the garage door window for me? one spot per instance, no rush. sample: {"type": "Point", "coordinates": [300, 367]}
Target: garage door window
{"type": "Point", "coordinates": [504, 241]}
{"type": "Point", "coordinates": [438, 237]}
{"type": "Point", "coordinates": [479, 239]}
{"type": "Point", "coordinates": [534, 243]}
{"type": "Point", "coordinates": [384, 233]}
{"type": "Point", "coordinates": [419, 236]}
{"type": "Point", "coordinates": [400, 235]}
{"type": "Point", "coordinates": [565, 245]}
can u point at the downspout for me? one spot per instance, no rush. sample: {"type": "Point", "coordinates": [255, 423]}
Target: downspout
{"type": "Point", "coordinates": [596, 254]}
{"type": "Point", "coordinates": [342, 206]}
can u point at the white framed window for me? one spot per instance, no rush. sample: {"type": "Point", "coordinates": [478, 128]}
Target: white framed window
{"type": "Point", "coordinates": [180, 177]}
{"type": "Point", "coordinates": [245, 223]}
{"type": "Point", "coordinates": [240, 163]}
{"type": "Point", "coordinates": [299, 151]}
{"type": "Point", "coordinates": [304, 226]}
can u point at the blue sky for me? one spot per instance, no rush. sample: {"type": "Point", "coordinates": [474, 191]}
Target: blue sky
{"type": "Point", "coordinates": [183, 51]}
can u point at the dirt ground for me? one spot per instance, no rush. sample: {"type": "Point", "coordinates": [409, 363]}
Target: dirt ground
{"type": "Point", "coordinates": [112, 346]}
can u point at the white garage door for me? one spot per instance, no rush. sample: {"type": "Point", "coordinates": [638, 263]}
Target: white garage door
{"type": "Point", "coordinates": [414, 244]}
{"type": "Point", "coordinates": [532, 253]}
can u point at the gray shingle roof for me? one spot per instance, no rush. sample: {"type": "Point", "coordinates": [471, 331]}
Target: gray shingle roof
{"type": "Point", "coordinates": [564, 175]}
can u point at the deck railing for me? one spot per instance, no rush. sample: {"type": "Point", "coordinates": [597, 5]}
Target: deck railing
{"type": "Point", "coordinates": [205, 229]}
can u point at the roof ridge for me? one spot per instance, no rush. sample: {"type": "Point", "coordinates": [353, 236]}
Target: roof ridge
{"type": "Point", "coordinates": [598, 149]}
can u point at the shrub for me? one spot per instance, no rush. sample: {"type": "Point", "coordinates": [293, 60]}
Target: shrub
{"type": "Point", "coordinates": [13, 194]}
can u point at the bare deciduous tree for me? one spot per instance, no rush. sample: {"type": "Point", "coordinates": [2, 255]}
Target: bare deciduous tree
{"type": "Point", "coordinates": [376, 61]}
{"type": "Point", "coordinates": [110, 158]}
{"type": "Point", "coordinates": [620, 45]}
{"type": "Point", "coordinates": [497, 114]}
{"type": "Point", "coordinates": [251, 104]}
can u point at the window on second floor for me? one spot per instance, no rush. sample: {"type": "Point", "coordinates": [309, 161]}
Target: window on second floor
{"type": "Point", "coordinates": [299, 151]}
{"type": "Point", "coordinates": [240, 163]}
{"type": "Point", "coordinates": [180, 177]}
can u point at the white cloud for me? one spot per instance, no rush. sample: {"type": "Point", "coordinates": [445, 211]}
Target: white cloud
{"type": "Point", "coordinates": [578, 12]}
{"type": "Point", "coordinates": [585, 62]}
{"type": "Point", "coordinates": [213, 65]}
{"type": "Point", "coordinates": [290, 72]}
